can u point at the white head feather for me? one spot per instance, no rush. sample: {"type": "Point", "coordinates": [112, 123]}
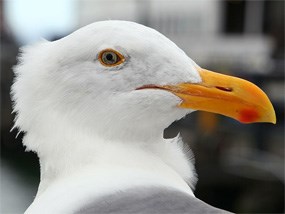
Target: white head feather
{"type": "Point", "coordinates": [76, 112]}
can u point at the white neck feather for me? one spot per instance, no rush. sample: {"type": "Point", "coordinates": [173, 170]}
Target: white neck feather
{"type": "Point", "coordinates": [67, 154]}
{"type": "Point", "coordinates": [78, 152]}
{"type": "Point", "coordinates": [67, 151]}
{"type": "Point", "coordinates": [67, 193]}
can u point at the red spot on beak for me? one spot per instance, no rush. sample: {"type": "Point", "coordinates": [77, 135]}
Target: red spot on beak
{"type": "Point", "coordinates": [248, 115]}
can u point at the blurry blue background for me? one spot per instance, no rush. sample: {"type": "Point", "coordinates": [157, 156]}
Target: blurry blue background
{"type": "Point", "coordinates": [240, 167]}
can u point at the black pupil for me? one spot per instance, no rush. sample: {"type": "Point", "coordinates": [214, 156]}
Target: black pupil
{"type": "Point", "coordinates": [109, 57]}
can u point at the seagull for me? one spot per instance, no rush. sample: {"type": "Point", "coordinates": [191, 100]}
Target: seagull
{"type": "Point", "coordinates": [93, 106]}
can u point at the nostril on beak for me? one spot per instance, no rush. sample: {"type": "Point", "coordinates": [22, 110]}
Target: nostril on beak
{"type": "Point", "coordinates": [226, 89]}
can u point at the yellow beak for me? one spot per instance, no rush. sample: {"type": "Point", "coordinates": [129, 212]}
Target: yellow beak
{"type": "Point", "coordinates": [226, 95]}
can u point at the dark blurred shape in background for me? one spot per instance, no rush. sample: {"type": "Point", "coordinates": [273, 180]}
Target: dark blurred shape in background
{"type": "Point", "coordinates": [240, 167]}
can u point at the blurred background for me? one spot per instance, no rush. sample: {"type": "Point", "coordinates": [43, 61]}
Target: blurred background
{"type": "Point", "coordinates": [240, 167]}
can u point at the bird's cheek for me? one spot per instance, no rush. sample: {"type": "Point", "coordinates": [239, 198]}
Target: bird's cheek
{"type": "Point", "coordinates": [155, 99]}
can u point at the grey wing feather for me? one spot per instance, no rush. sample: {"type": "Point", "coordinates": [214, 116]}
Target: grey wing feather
{"type": "Point", "coordinates": [146, 200]}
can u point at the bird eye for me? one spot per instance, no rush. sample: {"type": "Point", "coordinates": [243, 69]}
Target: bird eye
{"type": "Point", "coordinates": [110, 57]}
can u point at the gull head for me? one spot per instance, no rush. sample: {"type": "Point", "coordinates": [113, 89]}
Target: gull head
{"type": "Point", "coordinates": [121, 80]}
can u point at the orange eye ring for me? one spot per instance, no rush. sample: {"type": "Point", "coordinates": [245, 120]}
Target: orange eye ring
{"type": "Point", "coordinates": [110, 58]}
